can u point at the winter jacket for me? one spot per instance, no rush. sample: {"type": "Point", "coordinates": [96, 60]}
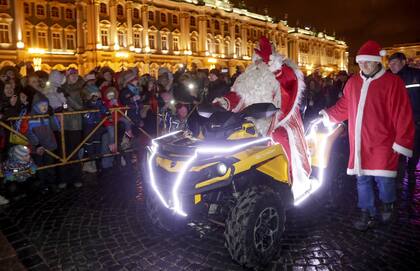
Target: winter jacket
{"type": "Point", "coordinates": [411, 78]}
{"type": "Point", "coordinates": [73, 93]}
{"type": "Point", "coordinates": [40, 131]}
{"type": "Point", "coordinates": [380, 123]}
{"type": "Point", "coordinates": [130, 97]}
{"type": "Point", "coordinates": [93, 118]}
{"type": "Point", "coordinates": [56, 99]}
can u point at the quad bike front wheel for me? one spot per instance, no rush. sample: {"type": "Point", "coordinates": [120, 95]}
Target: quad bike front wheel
{"type": "Point", "coordinates": [254, 227]}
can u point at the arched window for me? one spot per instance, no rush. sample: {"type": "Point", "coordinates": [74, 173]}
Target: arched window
{"type": "Point", "coordinates": [226, 27]}
{"type": "Point", "coordinates": [120, 10]}
{"type": "Point", "coordinates": [216, 25]}
{"type": "Point", "coordinates": [136, 13]}
{"type": "Point", "coordinates": [217, 45]}
{"type": "Point", "coordinates": [103, 9]}
{"type": "Point", "coordinates": [40, 11]}
{"type": "Point", "coordinates": [192, 21]}
{"type": "Point", "coordinates": [174, 19]}
{"type": "Point", "coordinates": [69, 14]}
{"type": "Point", "coordinates": [163, 18]}
{"type": "Point", "coordinates": [194, 47]}
{"type": "Point", "coordinates": [55, 12]}
{"type": "Point", "coordinates": [151, 16]}
{"type": "Point", "coordinates": [236, 29]}
{"type": "Point", "coordinates": [26, 8]}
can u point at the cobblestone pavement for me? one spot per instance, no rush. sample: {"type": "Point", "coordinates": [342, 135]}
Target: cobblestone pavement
{"type": "Point", "coordinates": [104, 227]}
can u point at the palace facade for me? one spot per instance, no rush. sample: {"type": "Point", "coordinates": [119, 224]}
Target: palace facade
{"type": "Point", "coordinates": [152, 33]}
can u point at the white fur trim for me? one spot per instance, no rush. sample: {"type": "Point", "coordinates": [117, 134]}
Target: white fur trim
{"type": "Point", "coordinates": [276, 61]}
{"type": "Point", "coordinates": [359, 120]}
{"type": "Point", "coordinates": [368, 58]}
{"type": "Point", "coordinates": [382, 52]}
{"type": "Point", "coordinates": [403, 150]}
{"type": "Point", "coordinates": [301, 182]}
{"type": "Point", "coordinates": [373, 172]}
{"type": "Point", "coordinates": [412, 86]}
{"type": "Point", "coordinates": [301, 89]}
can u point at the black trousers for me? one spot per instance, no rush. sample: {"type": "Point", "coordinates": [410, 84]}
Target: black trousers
{"type": "Point", "coordinates": [73, 172]}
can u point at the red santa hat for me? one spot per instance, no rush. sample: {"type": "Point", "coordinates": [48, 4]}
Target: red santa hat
{"type": "Point", "coordinates": [265, 49]}
{"type": "Point", "coordinates": [370, 51]}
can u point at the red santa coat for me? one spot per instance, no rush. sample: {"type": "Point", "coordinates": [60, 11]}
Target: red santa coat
{"type": "Point", "coordinates": [380, 123]}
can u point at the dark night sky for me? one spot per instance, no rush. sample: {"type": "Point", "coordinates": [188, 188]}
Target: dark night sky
{"type": "Point", "coordinates": [386, 21]}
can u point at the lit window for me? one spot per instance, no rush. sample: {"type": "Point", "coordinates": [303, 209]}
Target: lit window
{"type": "Point", "coordinates": [40, 10]}
{"type": "Point", "coordinates": [42, 39]}
{"type": "Point", "coordinates": [174, 19]}
{"type": "Point", "coordinates": [176, 43]}
{"type": "Point", "coordinates": [194, 45]}
{"type": "Point", "coordinates": [121, 39]}
{"type": "Point", "coordinates": [103, 9]}
{"type": "Point", "coordinates": [55, 12]}
{"type": "Point", "coordinates": [152, 42]}
{"type": "Point", "coordinates": [164, 43]}
{"type": "Point", "coordinates": [192, 21]}
{"type": "Point", "coordinates": [69, 14]}
{"type": "Point", "coordinates": [136, 13]}
{"type": "Point", "coordinates": [151, 16]}
{"type": "Point", "coordinates": [28, 38]}
{"type": "Point", "coordinates": [137, 40]}
{"type": "Point", "coordinates": [226, 49]}
{"type": "Point", "coordinates": [217, 45]}
{"type": "Point", "coordinates": [56, 41]}
{"type": "Point", "coordinates": [26, 8]}
{"type": "Point", "coordinates": [163, 18]}
{"type": "Point", "coordinates": [237, 49]}
{"type": "Point", "coordinates": [104, 37]}
{"type": "Point", "coordinates": [209, 46]}
{"type": "Point", "coordinates": [70, 42]}
{"type": "Point", "coordinates": [4, 33]}
{"type": "Point", "coordinates": [120, 10]}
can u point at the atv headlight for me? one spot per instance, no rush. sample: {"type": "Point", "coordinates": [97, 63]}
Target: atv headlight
{"type": "Point", "coordinates": [222, 169]}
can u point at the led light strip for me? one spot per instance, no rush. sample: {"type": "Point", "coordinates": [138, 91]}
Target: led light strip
{"type": "Point", "coordinates": [205, 150]}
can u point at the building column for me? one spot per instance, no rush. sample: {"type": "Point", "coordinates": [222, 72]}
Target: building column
{"type": "Point", "coordinates": [80, 36]}
{"type": "Point", "coordinates": [233, 38]}
{"type": "Point", "coordinates": [129, 13]}
{"type": "Point", "coordinates": [113, 29]}
{"type": "Point", "coordinates": [244, 38]}
{"type": "Point", "coordinates": [19, 23]}
{"type": "Point", "coordinates": [185, 32]}
{"type": "Point", "coordinates": [202, 35]}
{"type": "Point", "coordinates": [145, 21]}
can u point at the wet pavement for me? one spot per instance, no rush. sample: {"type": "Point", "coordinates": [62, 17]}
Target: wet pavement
{"type": "Point", "coordinates": [104, 227]}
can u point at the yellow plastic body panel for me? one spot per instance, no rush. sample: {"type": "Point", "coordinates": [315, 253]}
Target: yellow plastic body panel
{"type": "Point", "coordinates": [320, 156]}
{"type": "Point", "coordinates": [197, 198]}
{"type": "Point", "coordinates": [241, 134]}
{"type": "Point", "coordinates": [214, 180]}
{"type": "Point", "coordinates": [278, 168]}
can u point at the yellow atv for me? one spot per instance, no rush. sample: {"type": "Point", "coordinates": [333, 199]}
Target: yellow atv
{"type": "Point", "coordinates": [230, 176]}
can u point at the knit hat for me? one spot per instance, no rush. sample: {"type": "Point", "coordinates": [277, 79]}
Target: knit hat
{"type": "Point", "coordinates": [110, 93]}
{"type": "Point", "coordinates": [90, 76]}
{"type": "Point", "coordinates": [56, 78]}
{"type": "Point", "coordinates": [92, 90]}
{"type": "Point", "coordinates": [129, 76]}
{"type": "Point", "coordinates": [18, 152]}
{"type": "Point", "coordinates": [72, 71]}
{"type": "Point", "coordinates": [370, 51]}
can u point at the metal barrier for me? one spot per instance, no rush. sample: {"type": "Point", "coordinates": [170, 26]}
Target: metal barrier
{"type": "Point", "coordinates": [66, 159]}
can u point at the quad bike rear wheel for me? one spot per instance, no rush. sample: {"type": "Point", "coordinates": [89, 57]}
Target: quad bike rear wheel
{"type": "Point", "coordinates": [254, 227]}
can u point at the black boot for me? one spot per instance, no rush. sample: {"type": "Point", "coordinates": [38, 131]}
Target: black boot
{"type": "Point", "coordinates": [364, 222]}
{"type": "Point", "coordinates": [387, 212]}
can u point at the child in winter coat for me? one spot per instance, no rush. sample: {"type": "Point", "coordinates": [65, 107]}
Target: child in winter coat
{"type": "Point", "coordinates": [41, 137]}
{"type": "Point", "coordinates": [56, 98]}
{"type": "Point", "coordinates": [18, 168]}
{"type": "Point", "coordinates": [130, 96]}
{"type": "Point", "coordinates": [92, 97]}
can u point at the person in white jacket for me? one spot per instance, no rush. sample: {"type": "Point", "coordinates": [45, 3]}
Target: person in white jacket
{"type": "Point", "coordinates": [56, 99]}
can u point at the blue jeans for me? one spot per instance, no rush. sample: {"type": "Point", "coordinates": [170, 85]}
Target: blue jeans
{"type": "Point", "coordinates": [366, 195]}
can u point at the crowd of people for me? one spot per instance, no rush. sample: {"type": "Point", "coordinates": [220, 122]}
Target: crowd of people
{"type": "Point", "coordinates": [147, 106]}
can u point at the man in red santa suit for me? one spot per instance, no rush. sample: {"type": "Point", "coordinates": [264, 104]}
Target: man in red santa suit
{"type": "Point", "coordinates": [378, 110]}
{"type": "Point", "coordinates": [271, 78]}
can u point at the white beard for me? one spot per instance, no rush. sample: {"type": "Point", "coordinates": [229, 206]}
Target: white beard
{"type": "Point", "coordinates": [258, 85]}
